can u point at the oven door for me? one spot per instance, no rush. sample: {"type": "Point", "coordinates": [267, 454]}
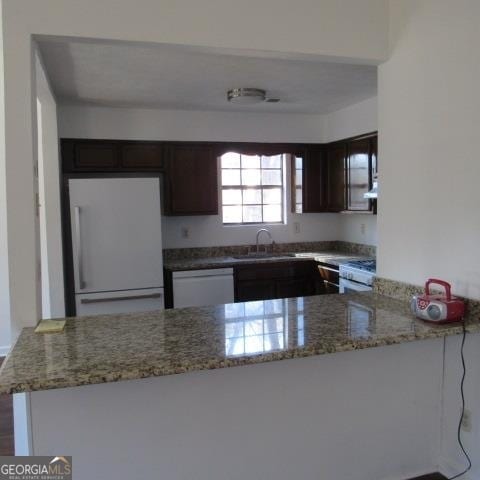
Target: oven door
{"type": "Point", "coordinates": [349, 286]}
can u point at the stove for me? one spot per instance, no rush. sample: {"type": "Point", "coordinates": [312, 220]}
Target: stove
{"type": "Point", "coordinates": [357, 275]}
{"type": "Point", "coordinates": [366, 265]}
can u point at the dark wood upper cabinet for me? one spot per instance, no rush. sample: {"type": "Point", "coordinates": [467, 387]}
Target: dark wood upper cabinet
{"type": "Point", "coordinates": [115, 156]}
{"type": "Point", "coordinates": [314, 192]}
{"type": "Point", "coordinates": [350, 166]}
{"type": "Point", "coordinates": [94, 156]}
{"type": "Point", "coordinates": [359, 176]}
{"type": "Point", "coordinates": [191, 180]}
{"type": "Point", "coordinates": [141, 155]}
{"type": "Point", "coordinates": [309, 180]}
{"type": "Point", "coordinates": [335, 183]}
{"type": "Point", "coordinates": [325, 177]}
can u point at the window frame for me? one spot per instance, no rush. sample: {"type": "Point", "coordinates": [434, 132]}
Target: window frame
{"type": "Point", "coordinates": [260, 187]}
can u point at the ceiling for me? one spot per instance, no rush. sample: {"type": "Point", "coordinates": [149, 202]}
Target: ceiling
{"type": "Point", "coordinates": [172, 77]}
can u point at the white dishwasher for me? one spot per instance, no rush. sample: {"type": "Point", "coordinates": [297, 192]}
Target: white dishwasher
{"type": "Point", "coordinates": [198, 288]}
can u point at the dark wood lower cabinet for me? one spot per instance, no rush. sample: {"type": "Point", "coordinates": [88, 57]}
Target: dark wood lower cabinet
{"type": "Point", "coordinates": [295, 287]}
{"type": "Point", "coordinates": [330, 277]}
{"type": "Point", "coordinates": [254, 290]}
{"type": "Point", "coordinates": [279, 280]}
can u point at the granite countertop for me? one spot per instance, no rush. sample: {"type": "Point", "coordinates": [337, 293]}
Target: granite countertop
{"type": "Point", "coordinates": [333, 258]}
{"type": "Point", "coordinates": [111, 348]}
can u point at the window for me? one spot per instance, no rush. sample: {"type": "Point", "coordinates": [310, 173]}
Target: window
{"type": "Point", "coordinates": [252, 188]}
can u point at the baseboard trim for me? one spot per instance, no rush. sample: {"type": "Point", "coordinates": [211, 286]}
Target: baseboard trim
{"type": "Point", "coordinates": [4, 350]}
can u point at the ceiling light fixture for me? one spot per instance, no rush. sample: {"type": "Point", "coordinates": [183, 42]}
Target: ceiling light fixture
{"type": "Point", "coordinates": [248, 96]}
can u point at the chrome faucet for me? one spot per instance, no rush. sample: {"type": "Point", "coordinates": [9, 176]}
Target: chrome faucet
{"type": "Point", "coordinates": [258, 236]}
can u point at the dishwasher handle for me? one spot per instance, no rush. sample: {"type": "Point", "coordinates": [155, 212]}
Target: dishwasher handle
{"type": "Point", "coordinates": [212, 272]}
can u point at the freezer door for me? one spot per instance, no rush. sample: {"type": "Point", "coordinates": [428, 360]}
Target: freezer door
{"type": "Point", "coordinates": [116, 233]}
{"type": "Point", "coordinates": [129, 301]}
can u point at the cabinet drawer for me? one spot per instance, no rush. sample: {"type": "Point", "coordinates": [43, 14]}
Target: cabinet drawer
{"type": "Point", "coordinates": [331, 287]}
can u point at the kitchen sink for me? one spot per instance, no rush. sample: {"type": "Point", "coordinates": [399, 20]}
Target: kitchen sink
{"type": "Point", "coordinates": [262, 255]}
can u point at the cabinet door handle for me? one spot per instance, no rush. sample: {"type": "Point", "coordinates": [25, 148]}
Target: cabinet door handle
{"type": "Point", "coordinates": [79, 253]}
{"type": "Point", "coordinates": [119, 299]}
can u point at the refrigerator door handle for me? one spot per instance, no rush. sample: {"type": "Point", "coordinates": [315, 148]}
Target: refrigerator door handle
{"type": "Point", "coordinates": [111, 299]}
{"type": "Point", "coordinates": [79, 254]}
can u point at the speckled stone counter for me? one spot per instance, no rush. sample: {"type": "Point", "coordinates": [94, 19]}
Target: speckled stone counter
{"type": "Point", "coordinates": [192, 263]}
{"type": "Point", "coordinates": [111, 348]}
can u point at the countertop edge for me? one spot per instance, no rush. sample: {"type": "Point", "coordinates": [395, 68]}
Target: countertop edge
{"type": "Point", "coordinates": [210, 263]}
{"type": "Point", "coordinates": [217, 364]}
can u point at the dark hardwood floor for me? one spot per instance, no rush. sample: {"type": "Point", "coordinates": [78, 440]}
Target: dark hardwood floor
{"type": "Point", "coordinates": [6, 424]}
{"type": "Point", "coordinates": [431, 476]}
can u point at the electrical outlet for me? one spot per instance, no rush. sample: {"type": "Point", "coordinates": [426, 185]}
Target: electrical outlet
{"type": "Point", "coordinates": [362, 228]}
{"type": "Point", "coordinates": [467, 421]}
{"type": "Point", "coordinates": [296, 227]}
{"type": "Point", "coordinates": [185, 232]}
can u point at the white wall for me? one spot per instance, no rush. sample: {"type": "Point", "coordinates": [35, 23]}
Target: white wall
{"type": "Point", "coordinates": [429, 224]}
{"type": "Point", "coordinates": [4, 279]}
{"type": "Point", "coordinates": [155, 124]}
{"type": "Point", "coordinates": [53, 302]}
{"type": "Point", "coordinates": [358, 228]}
{"type": "Point", "coordinates": [348, 122]}
{"type": "Point", "coordinates": [323, 28]}
{"type": "Point", "coordinates": [209, 231]}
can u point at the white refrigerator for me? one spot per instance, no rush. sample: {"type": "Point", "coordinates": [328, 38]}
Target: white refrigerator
{"type": "Point", "coordinates": [116, 245]}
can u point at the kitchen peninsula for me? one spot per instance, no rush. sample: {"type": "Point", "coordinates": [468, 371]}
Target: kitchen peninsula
{"type": "Point", "coordinates": [214, 422]}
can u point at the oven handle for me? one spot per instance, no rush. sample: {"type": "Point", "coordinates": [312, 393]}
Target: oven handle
{"type": "Point", "coordinates": [345, 283]}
